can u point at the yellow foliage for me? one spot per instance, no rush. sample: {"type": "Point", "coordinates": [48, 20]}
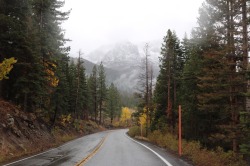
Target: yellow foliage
{"type": "Point", "coordinates": [52, 79]}
{"type": "Point", "coordinates": [142, 119]}
{"type": "Point", "coordinates": [5, 67]}
{"type": "Point", "coordinates": [125, 119]}
{"type": "Point", "coordinates": [126, 114]}
{"type": "Point", "coordinates": [65, 119]}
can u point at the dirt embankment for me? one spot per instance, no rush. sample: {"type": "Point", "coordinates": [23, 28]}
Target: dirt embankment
{"type": "Point", "coordinates": [22, 133]}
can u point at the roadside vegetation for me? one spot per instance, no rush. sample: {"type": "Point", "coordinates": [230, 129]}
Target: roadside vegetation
{"type": "Point", "coordinates": [207, 74]}
{"type": "Point", "coordinates": [46, 97]}
{"type": "Point", "coordinates": [24, 133]}
{"type": "Point", "coordinates": [192, 151]}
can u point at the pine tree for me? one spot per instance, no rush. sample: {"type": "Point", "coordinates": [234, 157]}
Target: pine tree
{"type": "Point", "coordinates": [101, 91]}
{"type": "Point", "coordinates": [60, 98]}
{"type": "Point", "coordinates": [83, 94]}
{"type": "Point", "coordinates": [221, 83]}
{"type": "Point", "coordinates": [113, 103]}
{"type": "Point", "coordinates": [193, 127]}
{"type": "Point", "coordinates": [93, 91]}
{"type": "Point", "coordinates": [168, 82]}
{"type": "Point", "coordinates": [18, 38]}
{"type": "Point", "coordinates": [31, 33]}
{"type": "Point", "coordinates": [48, 18]}
{"type": "Point", "coordinates": [72, 84]}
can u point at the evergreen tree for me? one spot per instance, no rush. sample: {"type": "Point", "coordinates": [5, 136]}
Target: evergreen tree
{"type": "Point", "coordinates": [18, 40]}
{"type": "Point", "coordinates": [193, 126]}
{"type": "Point", "coordinates": [31, 33]}
{"type": "Point", "coordinates": [102, 91]}
{"type": "Point", "coordinates": [93, 93]}
{"type": "Point", "coordinates": [221, 80]}
{"type": "Point", "coordinates": [48, 18]}
{"type": "Point", "coordinates": [83, 94]}
{"type": "Point", "coordinates": [72, 84]}
{"type": "Point", "coordinates": [60, 98]}
{"type": "Point", "coordinates": [113, 103]}
{"type": "Point", "coordinates": [168, 81]}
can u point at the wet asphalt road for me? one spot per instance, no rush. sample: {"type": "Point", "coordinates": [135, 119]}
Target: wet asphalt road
{"type": "Point", "coordinates": [68, 154]}
{"type": "Point", "coordinates": [116, 150]}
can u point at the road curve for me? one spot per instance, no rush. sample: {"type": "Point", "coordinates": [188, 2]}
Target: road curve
{"type": "Point", "coordinates": [109, 148]}
{"type": "Point", "coordinates": [68, 154]}
{"type": "Point", "coordinates": [120, 150]}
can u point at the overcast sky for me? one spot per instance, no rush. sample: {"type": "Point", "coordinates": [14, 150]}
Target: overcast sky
{"type": "Point", "coordinates": [93, 23]}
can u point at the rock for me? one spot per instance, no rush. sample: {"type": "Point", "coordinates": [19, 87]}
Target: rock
{"type": "Point", "coordinates": [3, 125]}
{"type": "Point", "coordinates": [16, 131]}
{"type": "Point", "coordinates": [16, 112]}
{"type": "Point", "coordinates": [10, 121]}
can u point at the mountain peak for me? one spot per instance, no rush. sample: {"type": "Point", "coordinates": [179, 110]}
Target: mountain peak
{"type": "Point", "coordinates": [121, 51]}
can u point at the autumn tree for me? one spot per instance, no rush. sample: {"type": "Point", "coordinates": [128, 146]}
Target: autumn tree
{"type": "Point", "coordinates": [5, 67]}
{"type": "Point", "coordinates": [125, 116]}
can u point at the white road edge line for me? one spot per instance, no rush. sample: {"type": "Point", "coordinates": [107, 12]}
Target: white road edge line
{"type": "Point", "coordinates": [42, 152]}
{"type": "Point", "coordinates": [164, 160]}
{"type": "Point", "coordinates": [29, 157]}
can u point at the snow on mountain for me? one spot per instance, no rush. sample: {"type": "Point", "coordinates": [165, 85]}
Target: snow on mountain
{"type": "Point", "coordinates": [125, 59]}
{"type": "Point", "coordinates": [119, 52]}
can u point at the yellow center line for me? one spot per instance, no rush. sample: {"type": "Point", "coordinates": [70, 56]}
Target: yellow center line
{"type": "Point", "coordinates": [83, 161]}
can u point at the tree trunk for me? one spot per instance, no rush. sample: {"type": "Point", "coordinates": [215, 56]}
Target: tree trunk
{"type": "Point", "coordinates": [245, 49]}
{"type": "Point", "coordinates": [100, 112]}
{"type": "Point", "coordinates": [169, 107]}
{"type": "Point", "coordinates": [147, 89]}
{"type": "Point", "coordinates": [53, 120]}
{"type": "Point", "coordinates": [95, 109]}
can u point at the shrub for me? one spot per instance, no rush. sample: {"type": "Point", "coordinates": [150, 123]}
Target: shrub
{"type": "Point", "coordinates": [199, 155]}
{"type": "Point", "coordinates": [134, 131]}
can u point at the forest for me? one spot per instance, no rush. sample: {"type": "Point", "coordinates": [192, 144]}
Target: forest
{"type": "Point", "coordinates": [208, 76]}
{"type": "Point", "coordinates": [206, 73]}
{"type": "Point", "coordinates": [43, 79]}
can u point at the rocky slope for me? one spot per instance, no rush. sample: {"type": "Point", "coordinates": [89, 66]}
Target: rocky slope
{"type": "Point", "coordinates": [23, 133]}
{"type": "Point", "coordinates": [20, 132]}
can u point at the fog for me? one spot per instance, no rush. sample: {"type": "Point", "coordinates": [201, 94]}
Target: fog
{"type": "Point", "coordinates": [93, 23]}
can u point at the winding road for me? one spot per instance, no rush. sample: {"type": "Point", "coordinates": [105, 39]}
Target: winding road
{"type": "Point", "coordinates": [108, 148]}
